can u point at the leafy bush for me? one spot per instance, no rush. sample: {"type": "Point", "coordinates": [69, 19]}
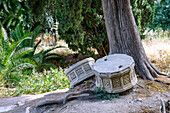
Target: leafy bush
{"type": "Point", "coordinates": [19, 33]}
{"type": "Point", "coordinates": [143, 11]}
{"type": "Point", "coordinates": [43, 58]}
{"type": "Point", "coordinates": [162, 16]}
{"type": "Point", "coordinates": [82, 26]}
{"type": "Point", "coordinates": [40, 83]}
{"type": "Point", "coordinates": [102, 94]}
{"type": "Point", "coordinates": [27, 13]}
{"type": "Point", "coordinates": [15, 12]}
{"type": "Point", "coordinates": [11, 58]}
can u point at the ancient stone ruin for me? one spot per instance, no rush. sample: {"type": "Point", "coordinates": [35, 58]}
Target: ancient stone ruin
{"type": "Point", "coordinates": [113, 72]}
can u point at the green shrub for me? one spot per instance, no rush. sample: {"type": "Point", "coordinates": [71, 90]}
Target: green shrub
{"type": "Point", "coordinates": [143, 11]}
{"type": "Point", "coordinates": [40, 83]}
{"type": "Point", "coordinates": [11, 58]}
{"type": "Point", "coordinates": [15, 12]}
{"type": "Point", "coordinates": [102, 94]}
{"type": "Point", "coordinates": [161, 16]}
{"type": "Point", "coordinates": [43, 57]}
{"type": "Point", "coordinates": [83, 28]}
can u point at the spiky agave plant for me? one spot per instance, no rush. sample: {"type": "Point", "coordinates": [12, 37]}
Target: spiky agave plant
{"type": "Point", "coordinates": [43, 58]}
{"type": "Point", "coordinates": [11, 58]}
{"type": "Point", "coordinates": [19, 34]}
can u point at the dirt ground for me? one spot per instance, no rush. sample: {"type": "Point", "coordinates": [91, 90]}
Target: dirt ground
{"type": "Point", "coordinates": [143, 98]}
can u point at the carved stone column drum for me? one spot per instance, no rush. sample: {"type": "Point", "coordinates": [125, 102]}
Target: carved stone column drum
{"type": "Point", "coordinates": [115, 73]}
{"type": "Point", "coordinates": [80, 71]}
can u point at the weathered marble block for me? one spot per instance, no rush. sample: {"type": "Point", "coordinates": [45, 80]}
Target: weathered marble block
{"type": "Point", "coordinates": [115, 73]}
{"type": "Point", "coordinates": [80, 71]}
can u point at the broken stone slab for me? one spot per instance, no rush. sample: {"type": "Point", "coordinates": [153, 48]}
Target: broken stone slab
{"type": "Point", "coordinates": [80, 71]}
{"type": "Point", "coordinates": [115, 73]}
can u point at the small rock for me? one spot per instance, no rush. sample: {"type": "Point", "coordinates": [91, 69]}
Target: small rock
{"type": "Point", "coordinates": [139, 100]}
{"type": "Point", "coordinates": [130, 102]}
{"type": "Point", "coordinates": [20, 103]}
{"type": "Point", "coordinates": [103, 101]}
{"type": "Point", "coordinates": [27, 110]}
{"type": "Point", "coordinates": [150, 106]}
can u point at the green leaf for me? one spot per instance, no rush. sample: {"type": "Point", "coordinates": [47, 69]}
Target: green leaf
{"type": "Point", "coordinates": [5, 7]}
{"type": "Point", "coordinates": [14, 36]}
{"type": "Point", "coordinates": [22, 63]}
{"type": "Point", "coordinates": [15, 45]}
{"type": "Point", "coordinates": [36, 32]}
{"type": "Point", "coordinates": [45, 65]}
{"type": "Point", "coordinates": [48, 50]}
{"type": "Point", "coordinates": [22, 52]}
{"type": "Point", "coordinates": [9, 22]}
{"type": "Point", "coordinates": [52, 54]}
{"type": "Point", "coordinates": [3, 34]}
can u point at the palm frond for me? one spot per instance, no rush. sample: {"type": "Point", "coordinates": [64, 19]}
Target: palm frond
{"type": "Point", "coordinates": [1, 66]}
{"type": "Point", "coordinates": [17, 44]}
{"type": "Point", "coordinates": [34, 48]}
{"type": "Point", "coordinates": [14, 36]}
{"type": "Point", "coordinates": [46, 65]}
{"type": "Point", "coordinates": [35, 33]}
{"type": "Point", "coordinates": [52, 54]}
{"type": "Point", "coordinates": [3, 34]}
{"type": "Point", "coordinates": [48, 50]}
{"type": "Point", "coordinates": [55, 58]}
{"type": "Point", "coordinates": [22, 63]}
{"type": "Point", "coordinates": [38, 58]}
{"type": "Point", "coordinates": [19, 34]}
{"type": "Point", "coordinates": [22, 52]}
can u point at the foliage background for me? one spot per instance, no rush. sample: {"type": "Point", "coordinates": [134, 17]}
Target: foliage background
{"type": "Point", "coordinates": [82, 26]}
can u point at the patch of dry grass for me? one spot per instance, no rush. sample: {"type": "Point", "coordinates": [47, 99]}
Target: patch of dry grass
{"type": "Point", "coordinates": [158, 51]}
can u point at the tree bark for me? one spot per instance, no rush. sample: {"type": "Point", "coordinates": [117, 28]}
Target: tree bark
{"type": "Point", "coordinates": [124, 37]}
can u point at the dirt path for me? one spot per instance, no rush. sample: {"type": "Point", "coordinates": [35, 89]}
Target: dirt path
{"type": "Point", "coordinates": [143, 99]}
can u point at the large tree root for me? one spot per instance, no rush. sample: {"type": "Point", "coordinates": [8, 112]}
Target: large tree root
{"type": "Point", "coordinates": [163, 109]}
{"type": "Point", "coordinates": [146, 70]}
{"type": "Point", "coordinates": [63, 101]}
{"type": "Point", "coordinates": [90, 92]}
{"type": "Point", "coordinates": [162, 82]}
{"type": "Point", "coordinates": [156, 70]}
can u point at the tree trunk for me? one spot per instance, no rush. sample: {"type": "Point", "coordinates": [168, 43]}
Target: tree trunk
{"type": "Point", "coordinates": [124, 37]}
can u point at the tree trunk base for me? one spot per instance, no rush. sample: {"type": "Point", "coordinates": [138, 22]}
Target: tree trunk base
{"type": "Point", "coordinates": [124, 37]}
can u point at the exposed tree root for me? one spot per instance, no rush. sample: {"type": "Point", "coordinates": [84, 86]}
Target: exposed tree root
{"type": "Point", "coordinates": [148, 70]}
{"type": "Point", "coordinates": [163, 109]}
{"type": "Point", "coordinates": [139, 85]}
{"type": "Point", "coordinates": [151, 70]}
{"type": "Point", "coordinates": [145, 71]}
{"type": "Point", "coordinates": [63, 101]}
{"type": "Point", "coordinates": [157, 71]}
{"type": "Point", "coordinates": [162, 82]}
{"type": "Point", "coordinates": [90, 92]}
